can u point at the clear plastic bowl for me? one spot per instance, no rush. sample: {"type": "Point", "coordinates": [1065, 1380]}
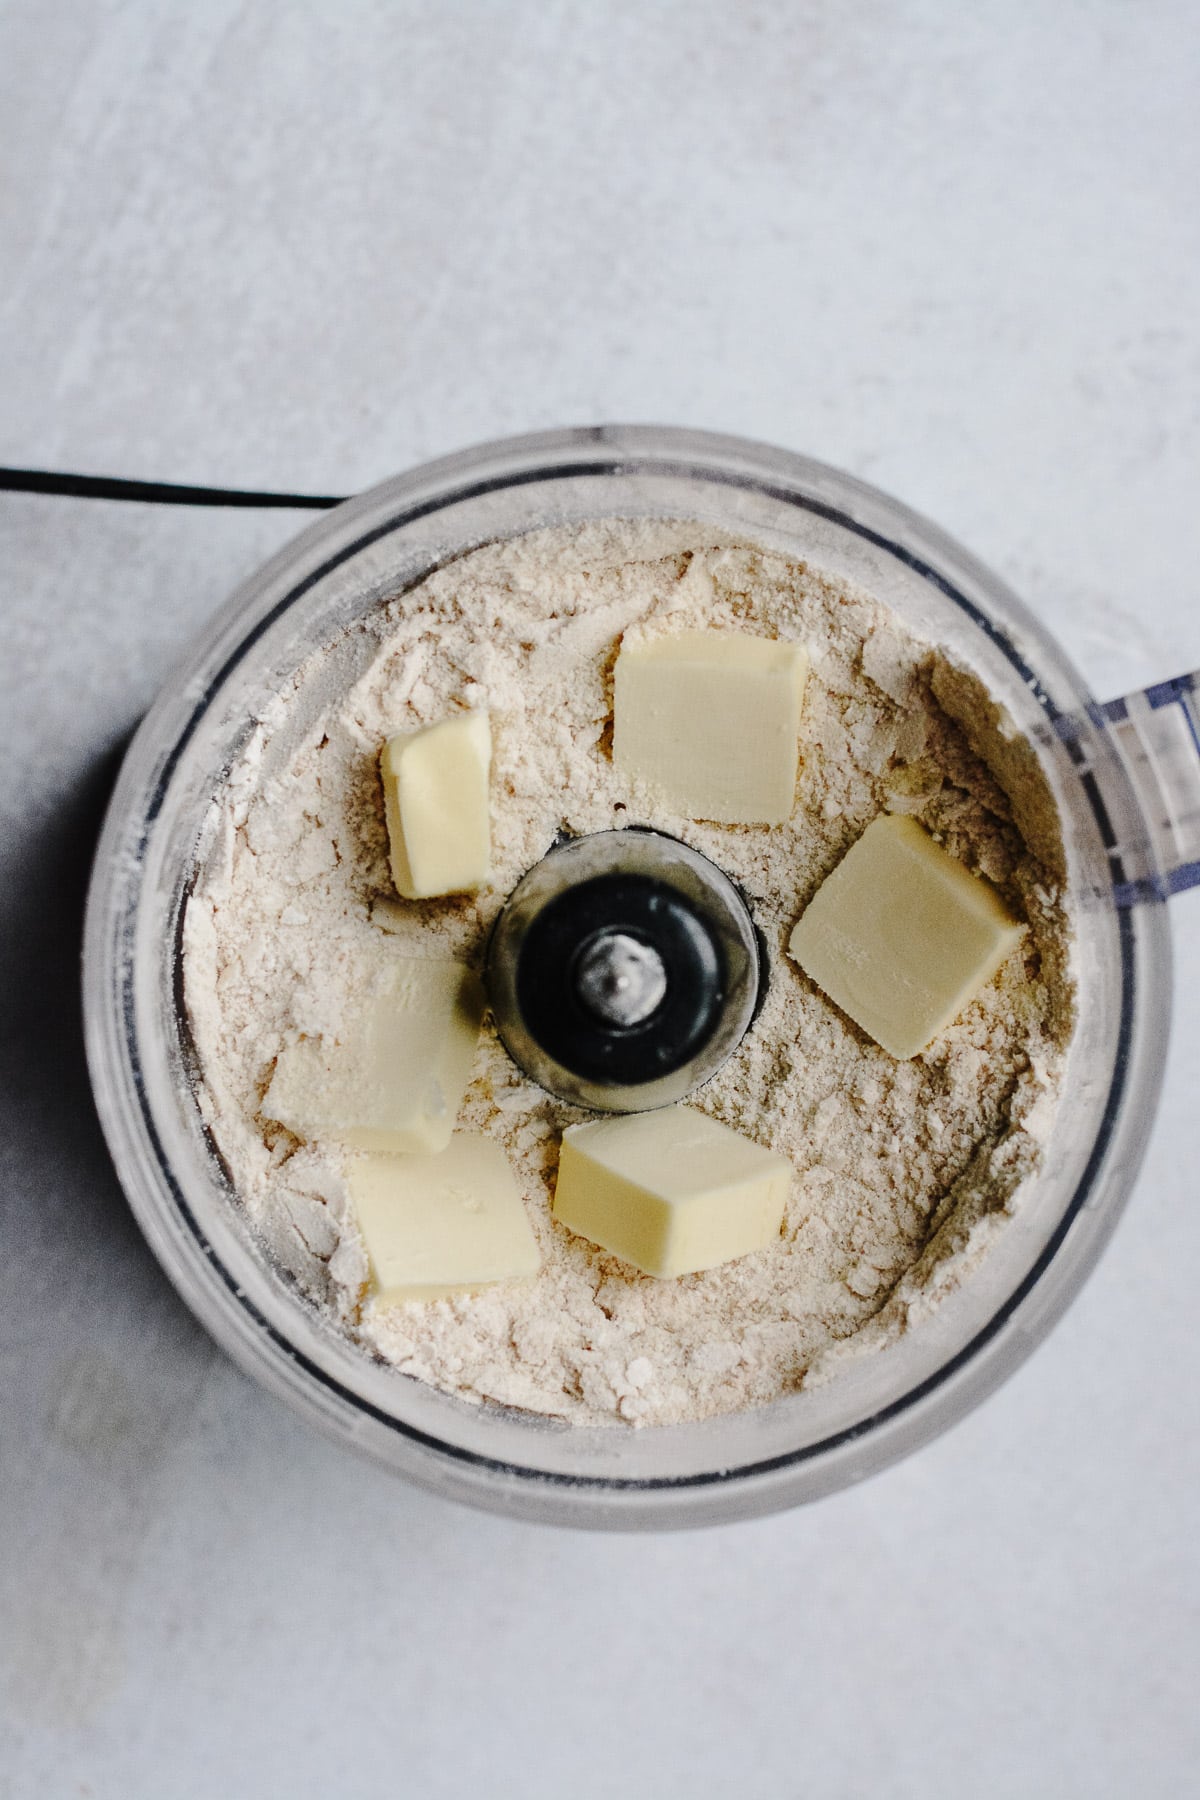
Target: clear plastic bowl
{"type": "Point", "coordinates": [1122, 862]}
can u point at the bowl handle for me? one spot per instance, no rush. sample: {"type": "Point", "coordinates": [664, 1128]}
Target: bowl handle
{"type": "Point", "coordinates": [1158, 733]}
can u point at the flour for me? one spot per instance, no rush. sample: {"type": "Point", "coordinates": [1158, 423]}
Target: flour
{"type": "Point", "coordinates": [905, 1171]}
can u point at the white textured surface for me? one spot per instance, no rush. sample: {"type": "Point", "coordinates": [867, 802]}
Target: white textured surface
{"type": "Point", "coordinates": [956, 250]}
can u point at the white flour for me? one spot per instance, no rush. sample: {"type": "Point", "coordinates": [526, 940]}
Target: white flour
{"type": "Point", "coordinates": [904, 1171]}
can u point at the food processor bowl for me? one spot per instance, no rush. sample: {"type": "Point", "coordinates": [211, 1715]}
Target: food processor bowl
{"type": "Point", "coordinates": [1126, 777]}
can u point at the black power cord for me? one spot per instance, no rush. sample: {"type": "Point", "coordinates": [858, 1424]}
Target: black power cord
{"type": "Point", "coordinates": [155, 493]}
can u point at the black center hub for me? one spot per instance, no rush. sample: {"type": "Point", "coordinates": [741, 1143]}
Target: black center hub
{"type": "Point", "coordinates": [623, 970]}
{"type": "Point", "coordinates": [555, 1002]}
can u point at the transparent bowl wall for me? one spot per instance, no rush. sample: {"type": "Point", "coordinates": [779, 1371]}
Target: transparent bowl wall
{"type": "Point", "coordinates": [336, 572]}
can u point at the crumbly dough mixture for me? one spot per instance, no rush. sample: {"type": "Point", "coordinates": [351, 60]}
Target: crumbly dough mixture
{"type": "Point", "coordinates": [904, 1170]}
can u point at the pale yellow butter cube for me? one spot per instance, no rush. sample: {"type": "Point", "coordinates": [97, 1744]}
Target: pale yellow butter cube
{"type": "Point", "coordinates": [671, 1192]}
{"type": "Point", "coordinates": [901, 936]}
{"type": "Point", "coordinates": [711, 719]}
{"type": "Point", "coordinates": [440, 1225]}
{"type": "Point", "coordinates": [435, 790]}
{"type": "Point", "coordinates": [394, 1077]}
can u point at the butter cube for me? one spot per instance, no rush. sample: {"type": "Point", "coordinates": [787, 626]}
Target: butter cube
{"type": "Point", "coordinates": [444, 1224]}
{"type": "Point", "coordinates": [435, 790]}
{"type": "Point", "coordinates": [901, 936]}
{"type": "Point", "coordinates": [712, 720]}
{"type": "Point", "coordinates": [394, 1077]}
{"type": "Point", "coordinates": [671, 1192]}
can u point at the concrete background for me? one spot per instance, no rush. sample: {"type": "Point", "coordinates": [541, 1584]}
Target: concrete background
{"type": "Point", "coordinates": [956, 250]}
